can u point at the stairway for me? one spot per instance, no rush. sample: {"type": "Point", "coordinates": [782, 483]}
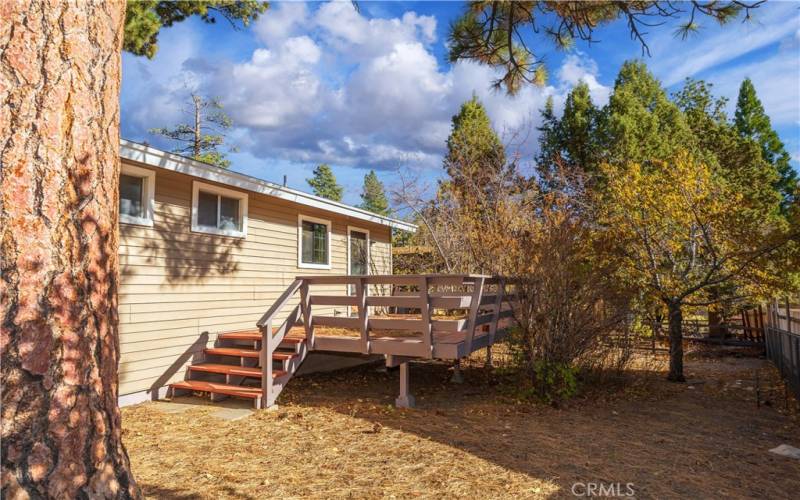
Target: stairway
{"type": "Point", "coordinates": [232, 368]}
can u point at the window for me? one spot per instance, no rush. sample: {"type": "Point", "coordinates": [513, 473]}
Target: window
{"type": "Point", "coordinates": [218, 210]}
{"type": "Point", "coordinates": [314, 241]}
{"type": "Point", "coordinates": [136, 192]}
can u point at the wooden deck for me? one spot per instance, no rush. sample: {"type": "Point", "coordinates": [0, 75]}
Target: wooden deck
{"type": "Point", "coordinates": [443, 317]}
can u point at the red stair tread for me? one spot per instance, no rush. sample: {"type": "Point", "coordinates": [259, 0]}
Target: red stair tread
{"type": "Point", "coordinates": [254, 335]}
{"type": "Point", "coordinates": [244, 371]}
{"type": "Point", "coordinates": [229, 390]}
{"type": "Point", "coordinates": [247, 353]}
{"type": "Point", "coordinates": [233, 351]}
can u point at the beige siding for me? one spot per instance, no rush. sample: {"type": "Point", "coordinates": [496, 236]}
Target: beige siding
{"type": "Point", "coordinates": [179, 288]}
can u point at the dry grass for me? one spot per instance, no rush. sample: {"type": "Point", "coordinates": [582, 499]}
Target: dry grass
{"type": "Point", "coordinates": [338, 436]}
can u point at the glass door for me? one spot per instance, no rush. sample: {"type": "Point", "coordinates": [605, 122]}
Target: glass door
{"type": "Point", "coordinates": [357, 255]}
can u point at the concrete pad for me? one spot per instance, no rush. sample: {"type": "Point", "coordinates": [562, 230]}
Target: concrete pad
{"type": "Point", "coordinates": [167, 407]}
{"type": "Point", "coordinates": [785, 450]}
{"type": "Point", "coordinates": [232, 414]}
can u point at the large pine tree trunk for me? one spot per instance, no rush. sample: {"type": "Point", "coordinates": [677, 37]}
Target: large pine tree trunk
{"type": "Point", "coordinates": [59, 167]}
{"type": "Point", "coordinates": [675, 342]}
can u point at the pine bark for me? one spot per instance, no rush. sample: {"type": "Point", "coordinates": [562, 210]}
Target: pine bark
{"type": "Point", "coordinates": [60, 68]}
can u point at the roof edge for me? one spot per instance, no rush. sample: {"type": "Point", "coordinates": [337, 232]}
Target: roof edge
{"type": "Point", "coordinates": [169, 161]}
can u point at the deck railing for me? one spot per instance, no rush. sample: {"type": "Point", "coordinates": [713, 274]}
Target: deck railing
{"type": "Point", "coordinates": [483, 301]}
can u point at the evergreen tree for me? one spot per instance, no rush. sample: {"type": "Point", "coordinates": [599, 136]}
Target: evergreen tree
{"type": "Point", "coordinates": [204, 135]}
{"type": "Point", "coordinates": [474, 151]}
{"type": "Point", "coordinates": [734, 157]}
{"type": "Point", "coordinates": [145, 18]}
{"type": "Point", "coordinates": [373, 196]}
{"type": "Point", "coordinates": [578, 125]}
{"type": "Point", "coordinates": [643, 124]}
{"type": "Point", "coordinates": [573, 139]}
{"type": "Point", "coordinates": [324, 183]}
{"type": "Point", "coordinates": [753, 123]}
{"type": "Point", "coordinates": [549, 139]}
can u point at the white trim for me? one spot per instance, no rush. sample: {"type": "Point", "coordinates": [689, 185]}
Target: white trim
{"type": "Point", "coordinates": [148, 195]}
{"type": "Point", "coordinates": [176, 163]}
{"type": "Point", "coordinates": [220, 191]}
{"type": "Point", "coordinates": [300, 263]}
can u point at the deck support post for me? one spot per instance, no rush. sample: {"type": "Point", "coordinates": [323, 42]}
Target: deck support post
{"type": "Point", "coordinates": [405, 399]}
{"type": "Point", "coordinates": [488, 356]}
{"type": "Point", "coordinates": [267, 398]}
{"type": "Point", "coordinates": [457, 377]}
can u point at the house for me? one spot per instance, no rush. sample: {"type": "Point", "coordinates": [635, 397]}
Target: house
{"type": "Point", "coordinates": [205, 250]}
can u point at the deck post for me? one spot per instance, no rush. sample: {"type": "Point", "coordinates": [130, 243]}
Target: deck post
{"type": "Point", "coordinates": [475, 304]}
{"type": "Point", "coordinates": [305, 308]}
{"type": "Point", "coordinates": [488, 356]}
{"type": "Point", "coordinates": [405, 399]}
{"type": "Point", "coordinates": [425, 314]}
{"type": "Point", "coordinates": [363, 314]}
{"type": "Point", "coordinates": [498, 305]}
{"type": "Point", "coordinates": [266, 366]}
{"type": "Point", "coordinates": [457, 377]}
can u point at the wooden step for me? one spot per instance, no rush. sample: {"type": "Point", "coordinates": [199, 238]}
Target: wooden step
{"type": "Point", "coordinates": [243, 371]}
{"type": "Point", "coordinates": [233, 351]}
{"type": "Point", "coordinates": [255, 335]}
{"type": "Point", "coordinates": [247, 353]}
{"type": "Point", "coordinates": [213, 387]}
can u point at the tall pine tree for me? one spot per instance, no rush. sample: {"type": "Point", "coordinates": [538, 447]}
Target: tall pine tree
{"type": "Point", "coordinates": [573, 139]}
{"type": "Point", "coordinates": [643, 124]}
{"type": "Point", "coordinates": [753, 123]}
{"type": "Point", "coordinates": [324, 183]}
{"type": "Point", "coordinates": [475, 154]}
{"type": "Point", "coordinates": [62, 432]}
{"type": "Point", "coordinates": [373, 196]}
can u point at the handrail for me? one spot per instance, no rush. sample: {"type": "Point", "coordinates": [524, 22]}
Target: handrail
{"type": "Point", "coordinates": [278, 305]}
{"type": "Point", "coordinates": [270, 343]}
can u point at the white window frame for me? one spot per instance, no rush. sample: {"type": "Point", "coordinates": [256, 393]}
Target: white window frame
{"type": "Point", "coordinates": [219, 191]}
{"type": "Point", "coordinates": [148, 195]}
{"type": "Point", "coordinates": [300, 263]}
{"type": "Point", "coordinates": [350, 229]}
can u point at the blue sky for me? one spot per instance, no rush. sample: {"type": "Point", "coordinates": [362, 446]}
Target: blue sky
{"type": "Point", "coordinates": [319, 82]}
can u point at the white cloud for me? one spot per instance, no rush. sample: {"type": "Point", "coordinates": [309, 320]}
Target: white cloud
{"type": "Point", "coordinates": [777, 83]}
{"type": "Point", "coordinates": [577, 68]}
{"type": "Point", "coordinates": [770, 24]}
{"type": "Point", "coordinates": [282, 22]}
{"type": "Point", "coordinates": [333, 85]}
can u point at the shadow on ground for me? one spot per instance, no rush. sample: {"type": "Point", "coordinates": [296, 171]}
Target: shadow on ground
{"type": "Point", "coordinates": [706, 439]}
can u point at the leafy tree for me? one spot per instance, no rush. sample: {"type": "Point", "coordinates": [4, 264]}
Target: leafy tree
{"type": "Point", "coordinates": [145, 18]}
{"type": "Point", "coordinates": [684, 232]}
{"type": "Point", "coordinates": [753, 123]}
{"type": "Point", "coordinates": [324, 183]}
{"type": "Point", "coordinates": [62, 434]}
{"type": "Point", "coordinates": [373, 196]}
{"type": "Point", "coordinates": [474, 152]}
{"type": "Point", "coordinates": [498, 33]}
{"type": "Point", "coordinates": [202, 138]}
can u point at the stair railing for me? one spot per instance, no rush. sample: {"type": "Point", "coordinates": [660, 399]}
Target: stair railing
{"type": "Point", "coordinates": [271, 340]}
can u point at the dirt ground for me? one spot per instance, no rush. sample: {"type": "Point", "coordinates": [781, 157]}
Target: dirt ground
{"type": "Point", "coordinates": [338, 436]}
